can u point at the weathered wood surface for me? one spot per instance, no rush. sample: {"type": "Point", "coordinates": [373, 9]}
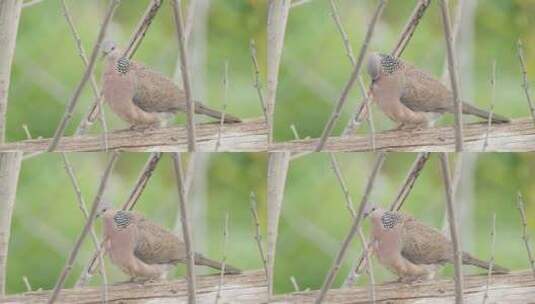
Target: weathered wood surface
{"type": "Point", "coordinates": [248, 136]}
{"type": "Point", "coordinates": [508, 289]}
{"type": "Point", "coordinates": [517, 136]}
{"type": "Point", "coordinates": [248, 287]}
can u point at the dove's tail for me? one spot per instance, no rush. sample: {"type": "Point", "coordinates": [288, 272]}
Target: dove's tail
{"type": "Point", "coordinates": [470, 260]}
{"type": "Point", "coordinates": [202, 109]}
{"type": "Point", "coordinates": [201, 260]}
{"type": "Point", "coordinates": [496, 118]}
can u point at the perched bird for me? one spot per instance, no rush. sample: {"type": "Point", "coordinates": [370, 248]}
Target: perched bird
{"type": "Point", "coordinates": [142, 249]}
{"type": "Point", "coordinates": [411, 249]}
{"type": "Point", "coordinates": [141, 96]}
{"type": "Point", "coordinates": [412, 97]}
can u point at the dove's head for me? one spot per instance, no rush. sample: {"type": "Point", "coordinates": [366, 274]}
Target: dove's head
{"type": "Point", "coordinates": [104, 207]}
{"type": "Point", "coordinates": [108, 47]}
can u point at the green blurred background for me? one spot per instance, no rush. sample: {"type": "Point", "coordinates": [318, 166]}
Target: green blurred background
{"type": "Point", "coordinates": [314, 218]}
{"type": "Point", "coordinates": [314, 68]}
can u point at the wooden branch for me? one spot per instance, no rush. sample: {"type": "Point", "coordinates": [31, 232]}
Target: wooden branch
{"type": "Point", "coordinates": [331, 275]}
{"type": "Point", "coordinates": [517, 136]}
{"type": "Point", "coordinates": [457, 251]}
{"type": "Point", "coordinates": [88, 224]}
{"type": "Point", "coordinates": [78, 91]}
{"type": "Point", "coordinates": [9, 23]}
{"type": "Point", "coordinates": [513, 288]}
{"type": "Point", "coordinates": [9, 175]}
{"type": "Point", "coordinates": [276, 180]}
{"type": "Point", "coordinates": [184, 66]}
{"type": "Point", "coordinates": [278, 12]}
{"type": "Point", "coordinates": [352, 79]}
{"type": "Point", "coordinates": [248, 287]}
{"type": "Point", "coordinates": [249, 136]}
{"type": "Point", "coordinates": [452, 67]}
{"type": "Point", "coordinates": [186, 228]}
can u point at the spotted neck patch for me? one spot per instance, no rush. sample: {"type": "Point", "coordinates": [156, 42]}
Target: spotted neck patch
{"type": "Point", "coordinates": [390, 220]}
{"type": "Point", "coordinates": [122, 219]}
{"type": "Point", "coordinates": [389, 63]}
{"type": "Point", "coordinates": [123, 65]}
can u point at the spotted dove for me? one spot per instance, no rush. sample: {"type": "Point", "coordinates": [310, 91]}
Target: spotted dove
{"type": "Point", "coordinates": [144, 250]}
{"type": "Point", "coordinates": [412, 97]}
{"type": "Point", "coordinates": [413, 250]}
{"type": "Point", "coordinates": [141, 96]}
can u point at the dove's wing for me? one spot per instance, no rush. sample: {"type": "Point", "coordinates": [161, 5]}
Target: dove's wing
{"type": "Point", "coordinates": [422, 244]}
{"type": "Point", "coordinates": [423, 93]}
{"type": "Point", "coordinates": [155, 245]}
{"type": "Point", "coordinates": [155, 92]}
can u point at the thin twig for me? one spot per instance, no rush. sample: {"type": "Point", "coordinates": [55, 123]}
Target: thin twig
{"type": "Point", "coordinates": [354, 76]}
{"type": "Point", "coordinates": [91, 116]}
{"type": "Point", "coordinates": [457, 252]}
{"type": "Point", "coordinates": [27, 283]}
{"type": "Point", "coordinates": [407, 185]}
{"type": "Point", "coordinates": [342, 182]}
{"type": "Point", "coordinates": [351, 57]}
{"type": "Point", "coordinates": [26, 131]}
{"type": "Point", "coordinates": [88, 71]}
{"type": "Point", "coordinates": [141, 28]}
{"type": "Point", "coordinates": [184, 66]}
{"type": "Point", "coordinates": [369, 268]}
{"type": "Point", "coordinates": [296, 3]}
{"type": "Point", "coordinates": [491, 261]}
{"type": "Point", "coordinates": [258, 82]}
{"type": "Point", "coordinates": [86, 229]}
{"type": "Point", "coordinates": [398, 49]}
{"type": "Point", "coordinates": [139, 186]}
{"type": "Point", "coordinates": [410, 27]}
{"type": "Point", "coordinates": [294, 283]}
{"type": "Point", "coordinates": [294, 131]}
{"type": "Point", "coordinates": [31, 3]}
{"type": "Point", "coordinates": [454, 79]}
{"type": "Point", "coordinates": [225, 100]}
{"type": "Point", "coordinates": [354, 228]}
{"type": "Point", "coordinates": [525, 81]}
{"type": "Point", "coordinates": [525, 236]}
{"type": "Point", "coordinates": [491, 107]}
{"type": "Point", "coordinates": [82, 205]}
{"type": "Point", "coordinates": [223, 258]}
{"type": "Point", "coordinates": [186, 231]}
{"type": "Point", "coordinates": [258, 235]}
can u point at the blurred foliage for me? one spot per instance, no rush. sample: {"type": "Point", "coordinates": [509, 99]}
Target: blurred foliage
{"type": "Point", "coordinates": [314, 68]}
